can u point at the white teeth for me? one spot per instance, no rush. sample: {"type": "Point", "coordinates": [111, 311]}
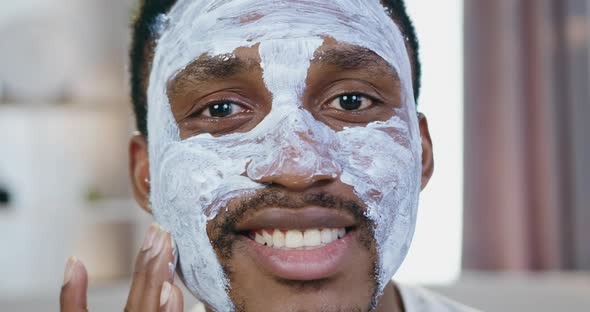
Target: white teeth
{"type": "Point", "coordinates": [334, 234]}
{"type": "Point", "coordinates": [293, 239]}
{"type": "Point", "coordinates": [341, 233]}
{"type": "Point", "coordinates": [326, 236]}
{"type": "Point", "coordinates": [298, 239]}
{"type": "Point", "coordinates": [312, 238]}
{"type": "Point", "coordinates": [267, 238]}
{"type": "Point", "coordinates": [259, 239]}
{"type": "Point", "coordinates": [278, 239]}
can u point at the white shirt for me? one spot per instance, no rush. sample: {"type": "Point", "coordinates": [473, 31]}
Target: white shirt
{"type": "Point", "coordinates": [417, 299]}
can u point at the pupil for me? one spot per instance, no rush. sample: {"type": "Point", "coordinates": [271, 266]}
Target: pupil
{"type": "Point", "coordinates": [351, 102]}
{"type": "Point", "coordinates": [220, 110]}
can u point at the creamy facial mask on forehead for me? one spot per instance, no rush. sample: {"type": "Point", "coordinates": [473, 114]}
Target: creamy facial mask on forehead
{"type": "Point", "coordinates": [193, 179]}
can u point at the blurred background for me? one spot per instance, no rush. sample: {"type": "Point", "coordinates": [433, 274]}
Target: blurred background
{"type": "Point", "coordinates": [503, 225]}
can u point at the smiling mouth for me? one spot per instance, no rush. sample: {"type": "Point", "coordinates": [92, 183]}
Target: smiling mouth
{"type": "Point", "coordinates": [298, 239]}
{"type": "Point", "coordinates": [299, 244]}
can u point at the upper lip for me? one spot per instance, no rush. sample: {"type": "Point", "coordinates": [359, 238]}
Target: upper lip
{"type": "Point", "coordinates": [296, 218]}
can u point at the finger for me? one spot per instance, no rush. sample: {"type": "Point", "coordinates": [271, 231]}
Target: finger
{"type": "Point", "coordinates": [171, 299]}
{"type": "Point", "coordinates": [140, 269]}
{"type": "Point", "coordinates": [159, 270]}
{"type": "Point", "coordinates": [152, 269]}
{"type": "Point", "coordinates": [73, 292]}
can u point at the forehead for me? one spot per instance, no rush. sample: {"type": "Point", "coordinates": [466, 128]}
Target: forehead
{"type": "Point", "coordinates": [276, 17]}
{"type": "Point", "coordinates": [215, 27]}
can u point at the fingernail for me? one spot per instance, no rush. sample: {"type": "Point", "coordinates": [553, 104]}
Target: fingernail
{"type": "Point", "coordinates": [165, 294]}
{"type": "Point", "coordinates": [172, 265]}
{"type": "Point", "coordinates": [70, 264]}
{"type": "Point", "coordinates": [150, 237]}
{"type": "Point", "coordinates": [174, 251]}
{"type": "Point", "coordinates": [159, 242]}
{"type": "Point", "coordinates": [171, 270]}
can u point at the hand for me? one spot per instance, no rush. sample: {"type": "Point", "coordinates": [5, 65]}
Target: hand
{"type": "Point", "coordinates": [152, 288]}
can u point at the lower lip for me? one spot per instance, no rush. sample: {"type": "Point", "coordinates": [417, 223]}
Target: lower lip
{"type": "Point", "coordinates": [303, 264]}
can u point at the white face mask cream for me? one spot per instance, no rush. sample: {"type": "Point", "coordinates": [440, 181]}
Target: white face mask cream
{"type": "Point", "coordinates": [192, 179]}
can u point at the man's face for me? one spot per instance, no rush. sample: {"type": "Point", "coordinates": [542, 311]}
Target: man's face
{"type": "Point", "coordinates": [285, 153]}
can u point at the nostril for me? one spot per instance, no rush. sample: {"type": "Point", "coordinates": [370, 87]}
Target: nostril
{"type": "Point", "coordinates": [4, 197]}
{"type": "Point", "coordinates": [297, 182]}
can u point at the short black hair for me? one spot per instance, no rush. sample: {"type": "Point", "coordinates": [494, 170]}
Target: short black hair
{"type": "Point", "coordinates": [144, 42]}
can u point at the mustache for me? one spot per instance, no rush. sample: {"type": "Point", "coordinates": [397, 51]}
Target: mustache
{"type": "Point", "coordinates": [224, 225]}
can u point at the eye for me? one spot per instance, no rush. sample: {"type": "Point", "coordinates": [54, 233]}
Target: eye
{"type": "Point", "coordinates": [222, 109]}
{"type": "Point", "coordinates": [351, 102]}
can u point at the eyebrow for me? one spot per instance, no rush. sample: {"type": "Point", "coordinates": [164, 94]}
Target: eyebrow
{"type": "Point", "coordinates": [356, 58]}
{"type": "Point", "coordinates": [351, 58]}
{"type": "Point", "coordinates": [210, 68]}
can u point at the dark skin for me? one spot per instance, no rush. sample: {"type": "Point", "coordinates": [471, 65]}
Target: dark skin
{"type": "Point", "coordinates": [195, 96]}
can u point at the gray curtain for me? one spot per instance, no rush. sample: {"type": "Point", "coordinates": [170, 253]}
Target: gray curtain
{"type": "Point", "coordinates": [527, 135]}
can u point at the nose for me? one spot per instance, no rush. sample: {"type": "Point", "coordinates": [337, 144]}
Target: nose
{"type": "Point", "coordinates": [298, 157]}
{"type": "Point", "coordinates": [298, 169]}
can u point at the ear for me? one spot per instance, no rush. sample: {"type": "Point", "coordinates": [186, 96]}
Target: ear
{"type": "Point", "coordinates": [427, 156]}
{"type": "Point", "coordinates": [139, 170]}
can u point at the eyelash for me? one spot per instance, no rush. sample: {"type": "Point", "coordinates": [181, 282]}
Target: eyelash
{"type": "Point", "coordinates": [374, 100]}
{"type": "Point", "coordinates": [228, 100]}
{"type": "Point", "coordinates": [223, 100]}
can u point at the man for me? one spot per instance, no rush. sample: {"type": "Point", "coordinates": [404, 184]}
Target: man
{"type": "Point", "coordinates": [280, 147]}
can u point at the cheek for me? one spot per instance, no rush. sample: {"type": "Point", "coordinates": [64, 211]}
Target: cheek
{"type": "Point", "coordinates": [383, 167]}
{"type": "Point", "coordinates": [382, 172]}
{"type": "Point", "coordinates": [190, 182]}
{"type": "Point", "coordinates": [377, 163]}
{"type": "Point", "coordinates": [201, 175]}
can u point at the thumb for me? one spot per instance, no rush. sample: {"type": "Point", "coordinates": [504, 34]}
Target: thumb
{"type": "Point", "coordinates": [73, 292]}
